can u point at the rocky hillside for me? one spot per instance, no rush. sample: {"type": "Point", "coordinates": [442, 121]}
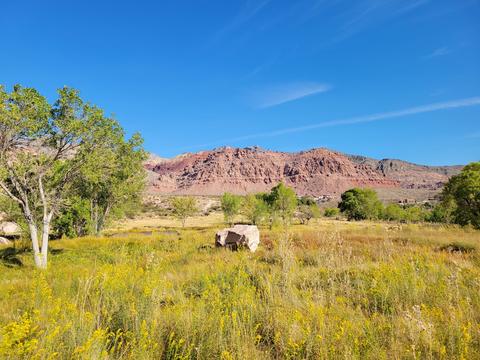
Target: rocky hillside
{"type": "Point", "coordinates": [317, 172]}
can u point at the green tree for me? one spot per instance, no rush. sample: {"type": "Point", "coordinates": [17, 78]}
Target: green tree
{"type": "Point", "coordinates": [43, 150]}
{"type": "Point", "coordinates": [461, 197]}
{"type": "Point", "coordinates": [271, 213]}
{"type": "Point", "coordinates": [74, 220]}
{"type": "Point", "coordinates": [113, 181]}
{"type": "Point", "coordinates": [254, 209]}
{"type": "Point", "coordinates": [184, 207]}
{"type": "Point", "coordinates": [284, 202]}
{"type": "Point", "coordinates": [360, 204]}
{"type": "Point", "coordinates": [230, 206]}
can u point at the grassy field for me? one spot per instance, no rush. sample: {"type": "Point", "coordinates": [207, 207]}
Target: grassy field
{"type": "Point", "coordinates": [330, 290]}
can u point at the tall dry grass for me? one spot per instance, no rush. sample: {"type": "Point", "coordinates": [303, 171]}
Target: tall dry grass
{"type": "Point", "coordinates": [331, 290]}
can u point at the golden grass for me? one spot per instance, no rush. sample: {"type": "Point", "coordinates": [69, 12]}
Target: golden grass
{"type": "Point", "coordinates": [330, 290]}
{"type": "Point", "coordinates": [153, 222]}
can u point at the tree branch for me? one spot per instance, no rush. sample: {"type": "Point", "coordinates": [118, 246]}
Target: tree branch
{"type": "Point", "coordinates": [9, 193]}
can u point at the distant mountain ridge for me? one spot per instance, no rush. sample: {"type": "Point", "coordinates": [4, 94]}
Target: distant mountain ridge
{"type": "Point", "coordinates": [316, 172]}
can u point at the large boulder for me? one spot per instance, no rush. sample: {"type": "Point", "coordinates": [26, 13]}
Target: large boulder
{"type": "Point", "coordinates": [238, 236]}
{"type": "Point", "coordinates": [9, 228]}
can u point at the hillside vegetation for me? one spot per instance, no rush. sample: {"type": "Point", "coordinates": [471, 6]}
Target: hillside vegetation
{"type": "Point", "coordinates": [327, 290]}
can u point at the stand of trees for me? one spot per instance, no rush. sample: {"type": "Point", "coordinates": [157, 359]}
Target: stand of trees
{"type": "Point", "coordinates": [459, 203]}
{"type": "Point", "coordinates": [279, 205]}
{"type": "Point", "coordinates": [66, 164]}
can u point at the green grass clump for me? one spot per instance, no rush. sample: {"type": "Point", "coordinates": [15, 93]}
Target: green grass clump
{"type": "Point", "coordinates": [331, 290]}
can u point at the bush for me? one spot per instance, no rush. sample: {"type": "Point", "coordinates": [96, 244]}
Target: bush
{"type": "Point", "coordinates": [415, 214]}
{"type": "Point", "coordinates": [393, 212]}
{"type": "Point", "coordinates": [307, 200]}
{"type": "Point", "coordinates": [331, 212]}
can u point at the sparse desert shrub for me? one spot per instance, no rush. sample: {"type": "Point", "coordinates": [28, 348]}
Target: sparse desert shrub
{"type": "Point", "coordinates": [307, 212]}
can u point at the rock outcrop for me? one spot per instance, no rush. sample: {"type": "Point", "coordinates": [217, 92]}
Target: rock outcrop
{"type": "Point", "coordinates": [315, 172]}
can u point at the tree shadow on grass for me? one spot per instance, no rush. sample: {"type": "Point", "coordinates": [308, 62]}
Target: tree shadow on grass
{"type": "Point", "coordinates": [9, 258]}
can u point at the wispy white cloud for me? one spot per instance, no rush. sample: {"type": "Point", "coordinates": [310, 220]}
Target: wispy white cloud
{"type": "Point", "coordinates": [247, 13]}
{"type": "Point", "coordinates": [280, 94]}
{"type": "Point", "coordinates": [462, 103]}
{"type": "Point", "coordinates": [367, 13]}
{"type": "Point", "coordinates": [438, 52]}
{"type": "Point", "coordinates": [412, 6]}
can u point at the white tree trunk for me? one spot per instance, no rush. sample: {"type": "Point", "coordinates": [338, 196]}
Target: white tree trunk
{"type": "Point", "coordinates": [36, 248]}
{"type": "Point", "coordinates": [45, 237]}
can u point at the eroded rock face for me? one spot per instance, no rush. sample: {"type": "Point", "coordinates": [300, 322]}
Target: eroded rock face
{"type": "Point", "coordinates": [239, 236]}
{"type": "Point", "coordinates": [315, 172]}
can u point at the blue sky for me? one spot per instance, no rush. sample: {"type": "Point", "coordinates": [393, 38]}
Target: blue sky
{"type": "Point", "coordinates": [391, 78]}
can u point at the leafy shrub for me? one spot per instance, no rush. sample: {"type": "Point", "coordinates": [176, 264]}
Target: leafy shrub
{"type": "Point", "coordinates": [331, 212]}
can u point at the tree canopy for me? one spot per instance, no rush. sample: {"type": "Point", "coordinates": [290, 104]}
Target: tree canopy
{"type": "Point", "coordinates": [360, 204]}
{"type": "Point", "coordinates": [284, 202]}
{"type": "Point", "coordinates": [45, 149]}
{"type": "Point", "coordinates": [461, 197]}
{"type": "Point", "coordinates": [184, 207]}
{"type": "Point", "coordinates": [230, 206]}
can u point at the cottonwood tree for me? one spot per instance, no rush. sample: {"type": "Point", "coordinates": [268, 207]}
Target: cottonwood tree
{"type": "Point", "coordinates": [184, 207]}
{"type": "Point", "coordinates": [360, 204]}
{"type": "Point", "coordinates": [284, 202]}
{"type": "Point", "coordinates": [113, 180]}
{"type": "Point", "coordinates": [230, 204]}
{"type": "Point", "coordinates": [43, 149]}
{"type": "Point", "coordinates": [254, 209]}
{"type": "Point", "coordinates": [461, 197]}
